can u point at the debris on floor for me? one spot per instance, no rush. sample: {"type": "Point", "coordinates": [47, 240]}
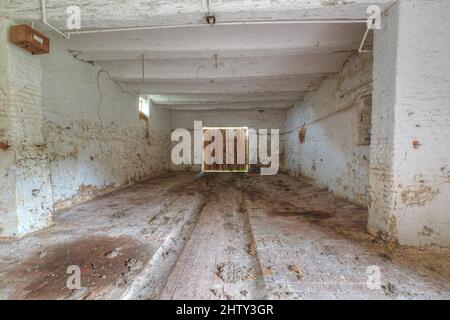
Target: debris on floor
{"type": "Point", "coordinates": [217, 237]}
{"type": "Point", "coordinates": [295, 269]}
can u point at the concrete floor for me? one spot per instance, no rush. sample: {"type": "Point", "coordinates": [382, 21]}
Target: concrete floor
{"type": "Point", "coordinates": [217, 236]}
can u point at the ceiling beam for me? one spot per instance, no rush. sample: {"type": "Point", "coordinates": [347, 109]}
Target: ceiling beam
{"type": "Point", "coordinates": [136, 54]}
{"type": "Point", "coordinates": [231, 105]}
{"type": "Point", "coordinates": [229, 86]}
{"type": "Point", "coordinates": [218, 68]}
{"type": "Point", "coordinates": [172, 99]}
{"type": "Point", "coordinates": [302, 38]}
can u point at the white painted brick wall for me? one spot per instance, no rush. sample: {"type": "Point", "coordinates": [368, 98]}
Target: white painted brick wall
{"type": "Point", "coordinates": [8, 216]}
{"type": "Point", "coordinates": [73, 135]}
{"type": "Point", "coordinates": [27, 205]}
{"type": "Point", "coordinates": [332, 154]}
{"type": "Point", "coordinates": [410, 184]}
{"type": "Point", "coordinates": [96, 142]}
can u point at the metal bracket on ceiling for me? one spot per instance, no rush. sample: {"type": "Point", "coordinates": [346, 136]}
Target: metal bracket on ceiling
{"type": "Point", "coordinates": [210, 17]}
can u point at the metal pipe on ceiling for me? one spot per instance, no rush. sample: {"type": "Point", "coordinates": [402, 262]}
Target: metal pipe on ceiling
{"type": "Point", "coordinates": [44, 21]}
{"type": "Point", "coordinates": [363, 41]}
{"type": "Point", "coordinates": [67, 35]}
{"type": "Point", "coordinates": [231, 23]}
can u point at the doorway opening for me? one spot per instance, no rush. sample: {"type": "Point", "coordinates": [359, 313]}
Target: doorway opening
{"type": "Point", "coordinates": [225, 149]}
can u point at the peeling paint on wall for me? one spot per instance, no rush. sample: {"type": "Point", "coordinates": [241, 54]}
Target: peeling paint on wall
{"type": "Point", "coordinates": [73, 134]}
{"type": "Point", "coordinates": [409, 182]}
{"type": "Point", "coordinates": [418, 195]}
{"type": "Point", "coordinates": [26, 200]}
{"type": "Point", "coordinates": [87, 160]}
{"type": "Point", "coordinates": [335, 151]}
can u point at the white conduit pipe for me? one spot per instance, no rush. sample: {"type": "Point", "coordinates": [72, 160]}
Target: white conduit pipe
{"type": "Point", "coordinates": [44, 21]}
{"type": "Point", "coordinates": [231, 23]}
{"type": "Point", "coordinates": [361, 47]}
{"type": "Point", "coordinates": [236, 23]}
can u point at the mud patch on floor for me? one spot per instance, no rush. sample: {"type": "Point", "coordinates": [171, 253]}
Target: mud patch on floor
{"type": "Point", "coordinates": [280, 185]}
{"type": "Point", "coordinates": [314, 214]}
{"type": "Point", "coordinates": [121, 213]}
{"type": "Point", "coordinates": [230, 272]}
{"type": "Point", "coordinates": [269, 271]}
{"type": "Point", "coordinates": [390, 290]}
{"type": "Point", "coordinates": [104, 262]}
{"type": "Point", "coordinates": [296, 270]}
{"type": "Point", "coordinates": [250, 248]}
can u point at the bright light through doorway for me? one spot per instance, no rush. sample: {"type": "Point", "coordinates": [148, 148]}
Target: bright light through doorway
{"type": "Point", "coordinates": [227, 132]}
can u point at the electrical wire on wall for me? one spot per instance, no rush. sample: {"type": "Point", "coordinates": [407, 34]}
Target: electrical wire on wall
{"type": "Point", "coordinates": [100, 101]}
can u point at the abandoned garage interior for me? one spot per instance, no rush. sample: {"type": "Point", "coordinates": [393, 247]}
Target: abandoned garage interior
{"type": "Point", "coordinates": [111, 189]}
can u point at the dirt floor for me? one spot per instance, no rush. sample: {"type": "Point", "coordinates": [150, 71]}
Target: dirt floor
{"type": "Point", "coordinates": [218, 236]}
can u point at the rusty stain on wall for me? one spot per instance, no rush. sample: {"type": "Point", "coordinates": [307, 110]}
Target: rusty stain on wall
{"type": "Point", "coordinates": [418, 195]}
{"type": "Point", "coordinates": [302, 134]}
{"type": "Point", "coordinates": [4, 146]}
{"type": "Point", "coordinates": [426, 232]}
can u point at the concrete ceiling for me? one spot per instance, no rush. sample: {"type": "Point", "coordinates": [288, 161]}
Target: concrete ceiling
{"type": "Point", "coordinates": [208, 67]}
{"type": "Point", "coordinates": [126, 13]}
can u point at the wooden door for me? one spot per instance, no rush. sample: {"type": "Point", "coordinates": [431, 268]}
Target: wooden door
{"type": "Point", "coordinates": [234, 150]}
